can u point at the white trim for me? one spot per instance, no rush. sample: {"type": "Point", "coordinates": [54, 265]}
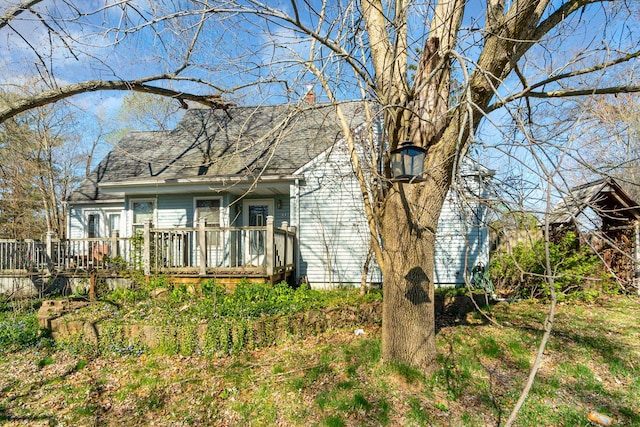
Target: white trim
{"type": "Point", "coordinates": [101, 220]}
{"type": "Point", "coordinates": [327, 152]}
{"type": "Point", "coordinates": [103, 215]}
{"type": "Point", "coordinates": [248, 202]}
{"type": "Point", "coordinates": [300, 172]}
{"type": "Point", "coordinates": [249, 258]}
{"type": "Point", "coordinates": [192, 184]}
{"type": "Point", "coordinates": [223, 209]}
{"type": "Point", "coordinates": [154, 215]}
{"type": "Point", "coordinates": [108, 215]}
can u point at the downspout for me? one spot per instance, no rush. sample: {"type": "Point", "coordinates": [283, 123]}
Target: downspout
{"type": "Point", "coordinates": [298, 228]}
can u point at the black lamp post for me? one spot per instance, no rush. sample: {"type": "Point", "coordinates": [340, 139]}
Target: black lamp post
{"type": "Point", "coordinates": [407, 162]}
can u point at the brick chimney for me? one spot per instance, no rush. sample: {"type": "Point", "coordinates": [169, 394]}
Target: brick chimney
{"type": "Point", "coordinates": [310, 97]}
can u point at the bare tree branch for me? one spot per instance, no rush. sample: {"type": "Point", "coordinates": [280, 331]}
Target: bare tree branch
{"type": "Point", "coordinates": [326, 41]}
{"type": "Point", "coordinates": [528, 91]}
{"type": "Point", "coordinates": [54, 95]}
{"type": "Point", "coordinates": [583, 92]}
{"type": "Point", "coordinates": [16, 10]}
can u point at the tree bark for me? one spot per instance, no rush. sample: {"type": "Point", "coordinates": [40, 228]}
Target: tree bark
{"type": "Point", "coordinates": [408, 234]}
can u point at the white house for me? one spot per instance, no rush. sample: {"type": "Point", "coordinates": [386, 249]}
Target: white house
{"type": "Point", "coordinates": [237, 167]}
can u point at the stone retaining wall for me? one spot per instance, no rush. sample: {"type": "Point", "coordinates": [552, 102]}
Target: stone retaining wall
{"type": "Point", "coordinates": [221, 335]}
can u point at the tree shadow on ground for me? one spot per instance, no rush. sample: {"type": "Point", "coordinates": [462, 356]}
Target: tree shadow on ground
{"type": "Point", "coordinates": [454, 310]}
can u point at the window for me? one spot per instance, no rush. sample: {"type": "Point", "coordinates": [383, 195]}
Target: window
{"type": "Point", "coordinates": [209, 209]}
{"type": "Point", "coordinates": [142, 211]}
{"type": "Point", "coordinates": [93, 226]}
{"type": "Point", "coordinates": [114, 223]}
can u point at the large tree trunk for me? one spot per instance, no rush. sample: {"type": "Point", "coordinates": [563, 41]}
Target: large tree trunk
{"type": "Point", "coordinates": [408, 237]}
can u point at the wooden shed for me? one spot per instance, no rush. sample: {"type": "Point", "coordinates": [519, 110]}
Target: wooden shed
{"type": "Point", "coordinates": [606, 217]}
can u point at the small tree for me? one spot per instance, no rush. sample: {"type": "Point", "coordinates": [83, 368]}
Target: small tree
{"type": "Point", "coordinates": [37, 171]}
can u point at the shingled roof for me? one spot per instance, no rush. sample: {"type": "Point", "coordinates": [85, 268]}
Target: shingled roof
{"type": "Point", "coordinates": [241, 142]}
{"type": "Point", "coordinates": [605, 196]}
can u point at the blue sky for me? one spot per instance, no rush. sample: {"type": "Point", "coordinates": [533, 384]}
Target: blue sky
{"type": "Point", "coordinates": [246, 44]}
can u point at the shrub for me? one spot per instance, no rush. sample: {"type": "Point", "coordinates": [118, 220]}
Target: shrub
{"type": "Point", "coordinates": [523, 273]}
{"type": "Point", "coordinates": [251, 300]}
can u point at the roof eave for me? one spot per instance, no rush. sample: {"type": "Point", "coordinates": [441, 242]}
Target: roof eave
{"type": "Point", "coordinates": [96, 202]}
{"type": "Point", "coordinates": [219, 180]}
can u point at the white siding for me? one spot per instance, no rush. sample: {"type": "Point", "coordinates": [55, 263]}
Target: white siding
{"type": "Point", "coordinates": [76, 223]}
{"type": "Point", "coordinates": [333, 235]}
{"type": "Point", "coordinates": [77, 227]}
{"type": "Point", "coordinates": [461, 239]}
{"type": "Point", "coordinates": [171, 210]}
{"type": "Point", "coordinates": [451, 253]}
{"type": "Point", "coordinates": [175, 210]}
{"type": "Point", "coordinates": [281, 211]}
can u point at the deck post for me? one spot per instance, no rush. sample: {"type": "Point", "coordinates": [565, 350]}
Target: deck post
{"type": "Point", "coordinates": [202, 245]}
{"type": "Point", "coordinates": [292, 261]}
{"type": "Point", "coordinates": [146, 250]}
{"type": "Point", "coordinates": [49, 255]}
{"type": "Point", "coordinates": [114, 250]}
{"type": "Point", "coordinates": [285, 227]}
{"type": "Point", "coordinates": [269, 252]}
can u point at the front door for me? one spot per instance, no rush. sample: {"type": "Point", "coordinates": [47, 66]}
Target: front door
{"type": "Point", "coordinates": [254, 214]}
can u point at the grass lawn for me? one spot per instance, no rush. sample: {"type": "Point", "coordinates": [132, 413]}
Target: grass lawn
{"type": "Point", "coordinates": [336, 378]}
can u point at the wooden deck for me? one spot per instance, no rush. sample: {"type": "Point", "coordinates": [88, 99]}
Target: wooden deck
{"type": "Point", "coordinates": [267, 253]}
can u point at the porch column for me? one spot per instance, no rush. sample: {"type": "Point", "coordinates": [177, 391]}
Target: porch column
{"type": "Point", "coordinates": [202, 246]}
{"type": "Point", "coordinates": [146, 249]}
{"type": "Point", "coordinates": [269, 250]}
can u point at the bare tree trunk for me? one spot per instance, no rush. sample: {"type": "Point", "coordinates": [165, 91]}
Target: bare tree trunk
{"type": "Point", "coordinates": [365, 270]}
{"type": "Point", "coordinates": [408, 232]}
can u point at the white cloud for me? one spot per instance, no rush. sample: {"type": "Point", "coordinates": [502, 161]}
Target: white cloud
{"type": "Point", "coordinates": [100, 104]}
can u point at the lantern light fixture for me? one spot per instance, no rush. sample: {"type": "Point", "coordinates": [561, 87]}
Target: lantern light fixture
{"type": "Point", "coordinates": [407, 162]}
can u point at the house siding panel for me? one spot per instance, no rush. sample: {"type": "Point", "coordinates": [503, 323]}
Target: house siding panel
{"type": "Point", "coordinates": [282, 212]}
{"type": "Point", "coordinates": [76, 223]}
{"type": "Point", "coordinates": [77, 227]}
{"type": "Point", "coordinates": [175, 210]}
{"type": "Point", "coordinates": [334, 239]}
{"type": "Point", "coordinates": [461, 242]}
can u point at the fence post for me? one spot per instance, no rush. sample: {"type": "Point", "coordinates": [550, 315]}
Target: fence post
{"type": "Point", "coordinates": [202, 245]}
{"type": "Point", "coordinates": [146, 248]}
{"type": "Point", "coordinates": [269, 250]}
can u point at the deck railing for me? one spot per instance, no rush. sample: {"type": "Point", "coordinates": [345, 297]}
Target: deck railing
{"type": "Point", "coordinates": [201, 250]}
{"type": "Point", "coordinates": [19, 255]}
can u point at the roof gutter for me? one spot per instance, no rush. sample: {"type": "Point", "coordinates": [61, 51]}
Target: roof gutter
{"type": "Point", "coordinates": [119, 200]}
{"type": "Point", "coordinates": [218, 181]}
